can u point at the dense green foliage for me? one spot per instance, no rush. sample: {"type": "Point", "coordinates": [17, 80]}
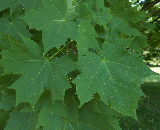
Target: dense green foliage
{"type": "Point", "coordinates": [153, 36]}
{"type": "Point", "coordinates": [70, 64]}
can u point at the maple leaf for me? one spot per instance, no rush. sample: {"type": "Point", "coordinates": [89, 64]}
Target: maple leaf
{"type": "Point", "coordinates": [102, 15]}
{"type": "Point", "coordinates": [56, 24]}
{"type": "Point", "coordinates": [8, 100]}
{"type": "Point", "coordinates": [139, 42]}
{"type": "Point", "coordinates": [119, 26]}
{"type": "Point", "coordinates": [83, 10]}
{"type": "Point", "coordinates": [27, 120]}
{"type": "Point", "coordinates": [29, 4]}
{"type": "Point", "coordinates": [127, 12]}
{"type": "Point", "coordinates": [12, 25]}
{"type": "Point", "coordinates": [58, 115]}
{"type": "Point", "coordinates": [37, 73]}
{"type": "Point", "coordinates": [86, 38]}
{"type": "Point", "coordinates": [113, 75]}
{"type": "Point", "coordinates": [96, 111]}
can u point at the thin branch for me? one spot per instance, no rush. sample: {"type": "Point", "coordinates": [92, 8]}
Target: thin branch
{"type": "Point", "coordinates": [149, 5]}
{"type": "Point", "coordinates": [154, 11]}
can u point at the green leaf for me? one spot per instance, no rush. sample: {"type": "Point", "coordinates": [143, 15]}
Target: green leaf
{"type": "Point", "coordinates": [102, 17]}
{"type": "Point", "coordinates": [56, 24]}
{"type": "Point", "coordinates": [149, 26]}
{"type": "Point", "coordinates": [86, 38]}
{"type": "Point", "coordinates": [139, 42]}
{"type": "Point", "coordinates": [126, 14]}
{"type": "Point", "coordinates": [8, 3]}
{"type": "Point", "coordinates": [112, 75]}
{"type": "Point", "coordinates": [7, 79]}
{"type": "Point", "coordinates": [4, 116]}
{"type": "Point", "coordinates": [57, 115]}
{"type": "Point", "coordinates": [13, 25]}
{"type": "Point", "coordinates": [8, 101]}
{"type": "Point", "coordinates": [119, 26]}
{"type": "Point", "coordinates": [84, 11]}
{"type": "Point", "coordinates": [89, 117]}
{"type": "Point", "coordinates": [46, 73]}
{"type": "Point", "coordinates": [29, 4]}
{"type": "Point", "coordinates": [22, 121]}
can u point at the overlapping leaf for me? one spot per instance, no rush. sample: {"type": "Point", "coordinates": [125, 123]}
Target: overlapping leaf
{"type": "Point", "coordinates": [57, 115]}
{"type": "Point", "coordinates": [37, 73]}
{"type": "Point", "coordinates": [55, 22]}
{"type": "Point", "coordinates": [119, 26]}
{"type": "Point", "coordinates": [13, 25]}
{"type": "Point", "coordinates": [86, 38]}
{"type": "Point", "coordinates": [8, 100]}
{"type": "Point", "coordinates": [113, 76]}
{"type": "Point", "coordinates": [96, 111]}
{"type": "Point", "coordinates": [19, 121]}
{"type": "Point", "coordinates": [12, 4]}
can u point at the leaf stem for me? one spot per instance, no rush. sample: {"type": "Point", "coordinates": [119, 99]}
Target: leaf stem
{"type": "Point", "coordinates": [98, 53]}
{"type": "Point", "coordinates": [60, 49]}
